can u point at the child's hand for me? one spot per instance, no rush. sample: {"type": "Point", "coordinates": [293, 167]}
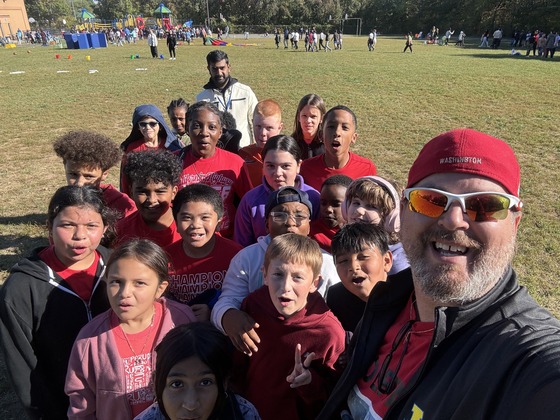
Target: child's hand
{"type": "Point", "coordinates": [201, 312]}
{"type": "Point", "coordinates": [240, 328]}
{"type": "Point", "coordinates": [301, 374]}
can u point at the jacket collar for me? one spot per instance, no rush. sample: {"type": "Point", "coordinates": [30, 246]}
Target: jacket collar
{"type": "Point", "coordinates": [211, 85]}
{"type": "Point", "coordinates": [451, 319]}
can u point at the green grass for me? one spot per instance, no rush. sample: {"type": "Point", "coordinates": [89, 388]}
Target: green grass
{"type": "Point", "coordinates": [401, 100]}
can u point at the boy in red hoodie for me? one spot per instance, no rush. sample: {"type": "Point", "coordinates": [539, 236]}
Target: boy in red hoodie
{"type": "Point", "coordinates": [291, 317]}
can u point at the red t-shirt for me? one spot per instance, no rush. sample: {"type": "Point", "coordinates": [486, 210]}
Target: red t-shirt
{"type": "Point", "coordinates": [117, 200]}
{"type": "Point", "coordinates": [134, 226]}
{"type": "Point", "coordinates": [252, 171]}
{"type": "Point", "coordinates": [322, 234]}
{"type": "Point", "coordinates": [220, 172]}
{"type": "Point", "coordinates": [137, 365]}
{"type": "Point", "coordinates": [189, 277]}
{"type": "Point", "coordinates": [419, 337]}
{"type": "Point", "coordinates": [80, 281]}
{"type": "Point", "coordinates": [314, 170]}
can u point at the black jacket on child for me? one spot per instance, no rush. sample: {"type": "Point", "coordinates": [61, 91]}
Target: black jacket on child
{"type": "Point", "coordinates": [40, 317]}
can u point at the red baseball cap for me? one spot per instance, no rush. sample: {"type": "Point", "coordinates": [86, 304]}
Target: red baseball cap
{"type": "Point", "coordinates": [468, 151]}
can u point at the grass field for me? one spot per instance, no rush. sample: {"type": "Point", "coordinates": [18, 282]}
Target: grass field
{"type": "Point", "coordinates": [401, 100]}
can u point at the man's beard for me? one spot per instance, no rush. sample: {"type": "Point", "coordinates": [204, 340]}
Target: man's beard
{"type": "Point", "coordinates": [450, 285]}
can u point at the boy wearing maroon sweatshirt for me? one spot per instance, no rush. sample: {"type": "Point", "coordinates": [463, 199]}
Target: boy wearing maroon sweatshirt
{"type": "Point", "coordinates": [291, 317]}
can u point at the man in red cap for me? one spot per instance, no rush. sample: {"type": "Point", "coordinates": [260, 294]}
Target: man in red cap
{"type": "Point", "coordinates": [458, 337]}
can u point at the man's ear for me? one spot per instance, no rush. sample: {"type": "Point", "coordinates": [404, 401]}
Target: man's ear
{"type": "Point", "coordinates": [517, 220]}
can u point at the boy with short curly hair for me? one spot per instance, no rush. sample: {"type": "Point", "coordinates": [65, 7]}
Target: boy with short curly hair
{"type": "Point", "coordinates": [153, 175]}
{"type": "Point", "coordinates": [87, 157]}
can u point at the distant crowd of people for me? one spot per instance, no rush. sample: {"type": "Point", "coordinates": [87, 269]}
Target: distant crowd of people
{"type": "Point", "coordinates": [313, 40]}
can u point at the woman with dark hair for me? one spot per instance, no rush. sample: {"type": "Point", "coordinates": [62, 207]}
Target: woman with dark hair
{"type": "Point", "coordinates": [308, 125]}
{"type": "Point", "coordinates": [281, 164]}
{"type": "Point", "coordinates": [51, 295]}
{"type": "Point", "coordinates": [149, 131]}
{"type": "Point", "coordinates": [193, 365]}
{"type": "Point", "coordinates": [204, 162]}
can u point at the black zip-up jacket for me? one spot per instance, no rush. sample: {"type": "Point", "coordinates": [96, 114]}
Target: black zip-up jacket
{"type": "Point", "coordinates": [496, 358]}
{"type": "Point", "coordinates": [40, 317]}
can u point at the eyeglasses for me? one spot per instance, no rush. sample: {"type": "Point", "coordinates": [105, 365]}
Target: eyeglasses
{"type": "Point", "coordinates": [282, 217]}
{"type": "Point", "coordinates": [144, 124]}
{"type": "Point", "coordinates": [479, 206]}
{"type": "Point", "coordinates": [385, 382]}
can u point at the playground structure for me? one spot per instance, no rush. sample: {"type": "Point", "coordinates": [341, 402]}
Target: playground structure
{"type": "Point", "coordinates": [163, 17]}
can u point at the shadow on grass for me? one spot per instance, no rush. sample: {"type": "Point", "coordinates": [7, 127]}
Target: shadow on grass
{"type": "Point", "coordinates": [15, 246]}
{"type": "Point", "coordinates": [36, 218]}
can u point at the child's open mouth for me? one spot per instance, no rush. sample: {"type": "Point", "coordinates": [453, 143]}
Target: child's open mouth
{"type": "Point", "coordinates": [358, 280]}
{"type": "Point", "coordinates": [79, 249]}
{"type": "Point", "coordinates": [284, 301]}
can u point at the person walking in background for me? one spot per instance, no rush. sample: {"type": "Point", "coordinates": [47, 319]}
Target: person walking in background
{"type": "Point", "coordinates": [484, 40]}
{"type": "Point", "coordinates": [372, 40]}
{"type": "Point", "coordinates": [551, 44]}
{"type": "Point", "coordinates": [497, 38]}
{"type": "Point", "coordinates": [153, 42]}
{"type": "Point", "coordinates": [408, 42]}
{"type": "Point", "coordinates": [171, 44]}
{"type": "Point", "coordinates": [448, 34]}
{"type": "Point", "coordinates": [277, 38]}
{"type": "Point", "coordinates": [461, 40]}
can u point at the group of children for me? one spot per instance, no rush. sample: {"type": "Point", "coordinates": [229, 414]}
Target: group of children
{"type": "Point", "coordinates": [201, 234]}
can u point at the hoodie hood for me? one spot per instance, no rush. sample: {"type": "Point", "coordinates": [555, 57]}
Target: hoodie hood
{"type": "Point", "coordinates": [149, 110]}
{"type": "Point", "coordinates": [32, 266]}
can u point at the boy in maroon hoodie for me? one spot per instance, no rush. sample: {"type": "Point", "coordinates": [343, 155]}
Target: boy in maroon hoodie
{"type": "Point", "coordinates": [291, 317]}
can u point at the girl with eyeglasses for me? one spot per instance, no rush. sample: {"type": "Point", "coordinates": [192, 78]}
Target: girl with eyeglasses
{"type": "Point", "coordinates": [281, 157]}
{"type": "Point", "coordinates": [149, 131]}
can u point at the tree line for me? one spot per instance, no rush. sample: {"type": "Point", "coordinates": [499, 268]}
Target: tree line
{"type": "Point", "coordinates": [387, 16]}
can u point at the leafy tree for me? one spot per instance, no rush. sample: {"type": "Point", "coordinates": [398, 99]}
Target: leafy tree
{"type": "Point", "coordinates": [47, 10]}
